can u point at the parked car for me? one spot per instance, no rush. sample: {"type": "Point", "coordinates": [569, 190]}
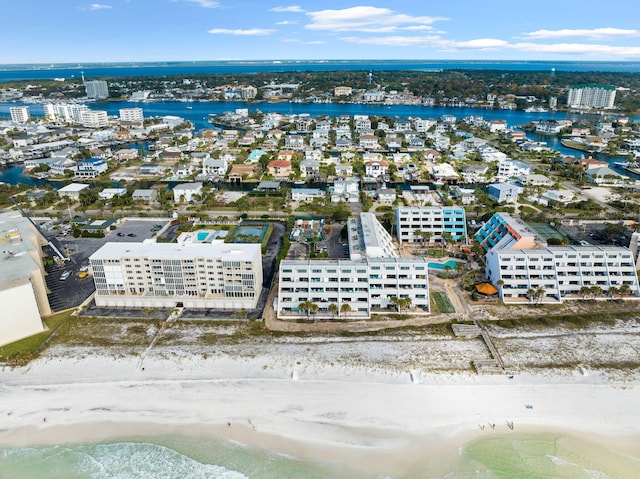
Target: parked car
{"type": "Point", "coordinates": [65, 275]}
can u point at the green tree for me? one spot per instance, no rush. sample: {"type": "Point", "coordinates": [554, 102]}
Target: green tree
{"type": "Point", "coordinates": [345, 309]}
{"type": "Point", "coordinates": [333, 309]}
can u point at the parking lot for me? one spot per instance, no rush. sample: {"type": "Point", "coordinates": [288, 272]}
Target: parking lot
{"type": "Point", "coordinates": [73, 291]}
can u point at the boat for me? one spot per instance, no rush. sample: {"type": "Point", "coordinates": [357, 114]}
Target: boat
{"type": "Point", "coordinates": [189, 107]}
{"type": "Point", "coordinates": [535, 109]}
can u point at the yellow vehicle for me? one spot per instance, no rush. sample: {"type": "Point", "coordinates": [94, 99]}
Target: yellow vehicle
{"type": "Point", "coordinates": [83, 274]}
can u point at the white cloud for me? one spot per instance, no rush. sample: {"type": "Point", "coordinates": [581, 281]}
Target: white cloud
{"type": "Point", "coordinates": [365, 19]}
{"type": "Point", "coordinates": [99, 6]}
{"type": "Point", "coordinates": [592, 34]}
{"type": "Point", "coordinates": [292, 8]}
{"type": "Point", "coordinates": [247, 32]}
{"type": "Point", "coordinates": [286, 22]}
{"type": "Point", "coordinates": [205, 3]}
{"type": "Point", "coordinates": [432, 41]}
{"type": "Point", "coordinates": [604, 51]}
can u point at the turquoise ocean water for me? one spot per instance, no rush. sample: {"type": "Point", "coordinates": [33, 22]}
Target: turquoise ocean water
{"type": "Point", "coordinates": [510, 456]}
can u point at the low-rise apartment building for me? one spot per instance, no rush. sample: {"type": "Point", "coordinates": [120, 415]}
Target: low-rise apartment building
{"type": "Point", "coordinates": [523, 268]}
{"type": "Point", "coordinates": [367, 286]}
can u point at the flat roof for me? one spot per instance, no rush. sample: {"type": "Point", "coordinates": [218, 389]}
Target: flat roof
{"type": "Point", "coordinates": [71, 187]}
{"type": "Point", "coordinates": [19, 245]}
{"type": "Point", "coordinates": [226, 251]}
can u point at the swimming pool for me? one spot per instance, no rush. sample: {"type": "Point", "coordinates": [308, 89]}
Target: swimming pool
{"type": "Point", "coordinates": [202, 236]}
{"type": "Point", "coordinates": [442, 266]}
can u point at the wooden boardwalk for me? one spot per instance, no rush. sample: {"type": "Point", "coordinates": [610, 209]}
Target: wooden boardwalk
{"type": "Point", "coordinates": [495, 365]}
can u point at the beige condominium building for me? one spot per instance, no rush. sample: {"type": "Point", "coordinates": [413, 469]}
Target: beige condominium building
{"type": "Point", "coordinates": [191, 275]}
{"type": "Point", "coordinates": [23, 290]}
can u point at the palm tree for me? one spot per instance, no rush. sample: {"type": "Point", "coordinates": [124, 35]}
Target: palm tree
{"type": "Point", "coordinates": [625, 289]}
{"type": "Point", "coordinates": [304, 307]}
{"type": "Point", "coordinates": [613, 290]}
{"type": "Point", "coordinates": [584, 291]}
{"type": "Point", "coordinates": [313, 309]}
{"type": "Point", "coordinates": [596, 291]}
{"type": "Point", "coordinates": [405, 303]}
{"type": "Point", "coordinates": [345, 309]}
{"type": "Point", "coordinates": [396, 301]}
{"type": "Point", "coordinates": [333, 309]}
{"type": "Point", "coordinates": [531, 294]}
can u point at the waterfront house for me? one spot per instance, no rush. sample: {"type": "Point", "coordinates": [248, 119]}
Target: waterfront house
{"type": "Point", "coordinates": [240, 173]}
{"type": "Point", "coordinates": [504, 192]}
{"type": "Point", "coordinates": [145, 195]}
{"type": "Point", "coordinates": [279, 168]}
{"type": "Point", "coordinates": [306, 194]}
{"type": "Point", "coordinates": [91, 168]}
{"type": "Point", "coordinates": [347, 190]}
{"type": "Point", "coordinates": [605, 176]}
{"type": "Point", "coordinates": [110, 193]}
{"type": "Point", "coordinates": [309, 168]}
{"type": "Point", "coordinates": [186, 192]}
{"type": "Point", "coordinates": [72, 190]}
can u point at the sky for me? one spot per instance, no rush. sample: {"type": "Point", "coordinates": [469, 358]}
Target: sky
{"type": "Point", "coordinates": [73, 31]}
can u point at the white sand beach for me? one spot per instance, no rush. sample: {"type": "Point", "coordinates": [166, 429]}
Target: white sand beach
{"type": "Point", "coordinates": [302, 403]}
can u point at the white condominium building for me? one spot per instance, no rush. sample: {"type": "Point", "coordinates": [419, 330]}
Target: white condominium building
{"type": "Point", "coordinates": [368, 287]}
{"type": "Point", "coordinates": [561, 271]}
{"type": "Point", "coordinates": [165, 275]}
{"type": "Point", "coordinates": [94, 119]}
{"type": "Point", "coordinates": [522, 267]}
{"type": "Point", "coordinates": [67, 112]}
{"type": "Point", "coordinates": [132, 115]}
{"type": "Point", "coordinates": [593, 96]}
{"type": "Point", "coordinates": [19, 114]}
{"type": "Point", "coordinates": [368, 238]}
{"type": "Point", "coordinates": [415, 224]}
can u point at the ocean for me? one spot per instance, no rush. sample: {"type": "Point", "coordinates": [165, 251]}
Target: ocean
{"type": "Point", "coordinates": [133, 69]}
{"type": "Point", "coordinates": [507, 456]}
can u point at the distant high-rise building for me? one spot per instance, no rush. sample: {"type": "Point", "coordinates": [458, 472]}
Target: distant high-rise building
{"type": "Point", "coordinates": [67, 112]}
{"type": "Point", "coordinates": [19, 114]}
{"type": "Point", "coordinates": [97, 89]}
{"type": "Point", "coordinates": [591, 96]}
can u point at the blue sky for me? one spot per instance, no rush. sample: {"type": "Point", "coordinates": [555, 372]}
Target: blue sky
{"type": "Point", "coordinates": [55, 31]}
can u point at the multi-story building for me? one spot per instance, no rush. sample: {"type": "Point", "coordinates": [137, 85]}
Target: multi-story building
{"type": "Point", "coordinates": [414, 223]}
{"type": "Point", "coordinates": [132, 116]}
{"type": "Point", "coordinates": [367, 286]}
{"type": "Point", "coordinates": [94, 118]}
{"type": "Point", "coordinates": [512, 169]}
{"type": "Point", "coordinates": [592, 96]}
{"type": "Point", "coordinates": [91, 167]}
{"type": "Point", "coordinates": [524, 268]}
{"type": "Point", "coordinates": [634, 246]}
{"type": "Point", "coordinates": [23, 290]}
{"type": "Point", "coordinates": [19, 114]}
{"type": "Point", "coordinates": [165, 275]}
{"type": "Point", "coordinates": [369, 239]}
{"type": "Point", "coordinates": [67, 112]}
{"type": "Point", "coordinates": [504, 231]}
{"type": "Point", "coordinates": [560, 271]}
{"type": "Point", "coordinates": [96, 89]}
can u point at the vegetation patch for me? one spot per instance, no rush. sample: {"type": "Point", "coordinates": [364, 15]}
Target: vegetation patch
{"type": "Point", "coordinates": [442, 302]}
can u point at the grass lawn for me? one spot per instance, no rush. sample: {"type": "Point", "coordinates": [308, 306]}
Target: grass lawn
{"type": "Point", "coordinates": [442, 302]}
